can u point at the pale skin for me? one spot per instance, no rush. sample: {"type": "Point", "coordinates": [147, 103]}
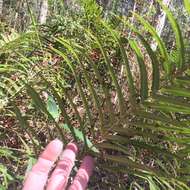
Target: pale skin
{"type": "Point", "coordinates": [38, 178]}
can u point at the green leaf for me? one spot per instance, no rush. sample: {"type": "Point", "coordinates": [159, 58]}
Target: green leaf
{"type": "Point", "coordinates": [72, 49]}
{"type": "Point", "coordinates": [42, 107]}
{"type": "Point", "coordinates": [178, 35]}
{"type": "Point", "coordinates": [166, 63]}
{"type": "Point", "coordinates": [185, 82]}
{"type": "Point", "coordinates": [130, 79]}
{"type": "Point", "coordinates": [7, 70]}
{"type": "Point", "coordinates": [163, 119]}
{"type": "Point", "coordinates": [142, 145]}
{"type": "Point", "coordinates": [142, 68]}
{"type": "Point", "coordinates": [53, 108]}
{"type": "Point", "coordinates": [163, 127]}
{"type": "Point", "coordinates": [110, 146]}
{"type": "Point", "coordinates": [152, 55]}
{"type": "Point", "coordinates": [126, 161]}
{"type": "Point", "coordinates": [61, 107]}
{"type": "Point", "coordinates": [2, 187]}
{"type": "Point", "coordinates": [112, 73]}
{"type": "Point", "coordinates": [187, 5]}
{"type": "Point", "coordinates": [176, 91]}
{"type": "Point", "coordinates": [24, 124]}
{"type": "Point", "coordinates": [5, 152]}
{"type": "Point", "coordinates": [152, 184]}
{"type": "Point", "coordinates": [30, 164]}
{"type": "Point", "coordinates": [79, 135]}
{"type": "Point", "coordinates": [79, 86]}
{"type": "Point", "coordinates": [155, 65]}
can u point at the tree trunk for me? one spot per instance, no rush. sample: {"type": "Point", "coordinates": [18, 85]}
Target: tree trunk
{"type": "Point", "coordinates": [1, 7]}
{"type": "Point", "coordinates": [161, 23]}
{"type": "Point", "coordinates": [43, 11]}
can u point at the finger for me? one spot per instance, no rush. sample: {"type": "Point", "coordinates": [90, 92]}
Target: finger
{"type": "Point", "coordinates": [85, 171]}
{"type": "Point", "coordinates": [37, 177]}
{"type": "Point", "coordinates": [59, 178]}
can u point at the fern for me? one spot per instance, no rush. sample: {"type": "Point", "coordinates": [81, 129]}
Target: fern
{"type": "Point", "coordinates": [150, 140]}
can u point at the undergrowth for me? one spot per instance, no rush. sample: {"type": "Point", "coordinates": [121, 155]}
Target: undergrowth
{"type": "Point", "coordinates": [84, 78]}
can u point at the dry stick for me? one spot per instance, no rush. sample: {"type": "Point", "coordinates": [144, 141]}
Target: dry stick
{"type": "Point", "coordinates": [122, 67]}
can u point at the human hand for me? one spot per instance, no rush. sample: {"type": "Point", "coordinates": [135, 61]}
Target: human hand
{"type": "Point", "coordinates": [37, 178]}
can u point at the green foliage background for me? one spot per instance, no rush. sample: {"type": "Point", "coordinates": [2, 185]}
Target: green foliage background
{"type": "Point", "coordinates": [64, 80]}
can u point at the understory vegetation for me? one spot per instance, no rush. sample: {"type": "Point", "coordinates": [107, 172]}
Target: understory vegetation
{"type": "Point", "coordinates": [92, 76]}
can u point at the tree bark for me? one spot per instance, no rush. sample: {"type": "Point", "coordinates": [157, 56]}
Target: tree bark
{"type": "Point", "coordinates": [1, 7]}
{"type": "Point", "coordinates": [43, 11]}
{"type": "Point", "coordinates": [161, 23]}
